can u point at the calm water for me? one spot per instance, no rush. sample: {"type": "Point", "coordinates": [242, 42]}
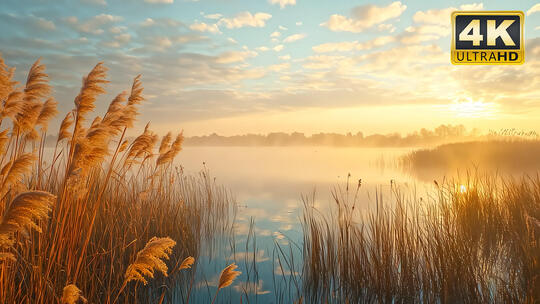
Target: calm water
{"type": "Point", "coordinates": [267, 183]}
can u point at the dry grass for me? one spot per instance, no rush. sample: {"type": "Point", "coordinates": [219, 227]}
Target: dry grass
{"type": "Point", "coordinates": [76, 222]}
{"type": "Point", "coordinates": [516, 155]}
{"type": "Point", "coordinates": [481, 245]}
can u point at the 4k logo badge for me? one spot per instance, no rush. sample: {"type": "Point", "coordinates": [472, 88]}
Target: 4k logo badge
{"type": "Point", "coordinates": [487, 37]}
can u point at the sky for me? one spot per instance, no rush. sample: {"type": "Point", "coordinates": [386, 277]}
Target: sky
{"type": "Point", "coordinates": [259, 66]}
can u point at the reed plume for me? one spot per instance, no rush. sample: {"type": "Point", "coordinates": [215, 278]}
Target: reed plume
{"type": "Point", "coordinates": [64, 133]}
{"type": "Point", "coordinates": [143, 144]}
{"type": "Point", "coordinates": [135, 98]}
{"type": "Point", "coordinates": [165, 141]}
{"type": "Point", "coordinates": [37, 84]}
{"type": "Point", "coordinates": [23, 213]}
{"type": "Point", "coordinates": [173, 150]}
{"type": "Point", "coordinates": [71, 294]}
{"type": "Point", "coordinates": [12, 105]}
{"type": "Point", "coordinates": [149, 259]}
{"type": "Point", "coordinates": [91, 88]}
{"type": "Point", "coordinates": [3, 140]}
{"type": "Point", "coordinates": [227, 277]}
{"type": "Point", "coordinates": [6, 82]}
{"type": "Point", "coordinates": [37, 87]}
{"type": "Point", "coordinates": [13, 171]}
{"type": "Point", "coordinates": [187, 263]}
{"type": "Point", "coordinates": [48, 111]}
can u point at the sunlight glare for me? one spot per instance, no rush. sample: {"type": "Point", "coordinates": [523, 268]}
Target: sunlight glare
{"type": "Point", "coordinates": [469, 108]}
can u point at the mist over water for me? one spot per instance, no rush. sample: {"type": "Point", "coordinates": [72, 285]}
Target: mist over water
{"type": "Point", "coordinates": [268, 184]}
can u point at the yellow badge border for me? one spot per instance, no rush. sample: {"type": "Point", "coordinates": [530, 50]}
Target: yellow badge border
{"type": "Point", "coordinates": [499, 13]}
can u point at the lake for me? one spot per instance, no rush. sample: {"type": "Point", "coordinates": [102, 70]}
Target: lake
{"type": "Point", "coordinates": [268, 184]}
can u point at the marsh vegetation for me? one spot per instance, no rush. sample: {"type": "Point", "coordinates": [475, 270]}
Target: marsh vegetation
{"type": "Point", "coordinates": [109, 218]}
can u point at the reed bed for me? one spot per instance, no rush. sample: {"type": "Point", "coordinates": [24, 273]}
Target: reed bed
{"type": "Point", "coordinates": [102, 216]}
{"type": "Point", "coordinates": [510, 154]}
{"type": "Point", "coordinates": [477, 242]}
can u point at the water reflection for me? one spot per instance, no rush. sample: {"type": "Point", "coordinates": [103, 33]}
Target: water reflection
{"type": "Point", "coordinates": [268, 183]}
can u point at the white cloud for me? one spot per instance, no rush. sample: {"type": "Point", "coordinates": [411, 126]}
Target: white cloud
{"type": "Point", "coordinates": [162, 42]}
{"type": "Point", "coordinates": [283, 3]}
{"type": "Point", "coordinates": [98, 2]}
{"type": "Point", "coordinates": [117, 29]}
{"type": "Point", "coordinates": [159, 1]}
{"type": "Point", "coordinates": [353, 45]}
{"type": "Point", "coordinates": [442, 16]}
{"type": "Point", "coordinates": [235, 56]}
{"type": "Point", "coordinates": [262, 49]}
{"type": "Point", "coordinates": [45, 24]}
{"type": "Point", "coordinates": [433, 24]}
{"type": "Point", "coordinates": [204, 27]}
{"type": "Point", "coordinates": [423, 32]}
{"type": "Point", "coordinates": [251, 288]}
{"type": "Point", "coordinates": [281, 27]}
{"type": "Point", "coordinates": [386, 27]}
{"type": "Point", "coordinates": [245, 19]}
{"type": "Point", "coordinates": [472, 7]}
{"type": "Point", "coordinates": [94, 24]}
{"type": "Point", "coordinates": [148, 22]}
{"type": "Point", "coordinates": [278, 48]}
{"type": "Point", "coordinates": [213, 16]}
{"type": "Point", "coordinates": [279, 67]}
{"type": "Point", "coordinates": [119, 40]}
{"type": "Point", "coordinates": [299, 23]}
{"type": "Point", "coordinates": [285, 57]}
{"type": "Point", "coordinates": [534, 9]}
{"type": "Point", "coordinates": [364, 17]}
{"type": "Point", "coordinates": [275, 34]}
{"type": "Point", "coordinates": [293, 38]}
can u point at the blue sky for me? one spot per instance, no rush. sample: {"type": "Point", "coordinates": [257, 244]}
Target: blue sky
{"type": "Point", "coordinates": [278, 65]}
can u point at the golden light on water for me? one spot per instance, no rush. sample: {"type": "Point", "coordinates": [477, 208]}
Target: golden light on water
{"type": "Point", "coordinates": [462, 189]}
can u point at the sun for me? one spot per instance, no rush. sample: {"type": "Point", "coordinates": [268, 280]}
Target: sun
{"type": "Point", "coordinates": [474, 109]}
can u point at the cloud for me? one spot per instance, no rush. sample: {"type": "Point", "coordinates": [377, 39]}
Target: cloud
{"type": "Point", "coordinates": [159, 1]}
{"type": "Point", "coordinates": [245, 19]}
{"type": "Point", "coordinates": [423, 33]}
{"type": "Point", "coordinates": [213, 16]}
{"type": "Point", "coordinates": [45, 24]}
{"type": "Point", "coordinates": [278, 48]}
{"type": "Point", "coordinates": [285, 57]}
{"type": "Point", "coordinates": [364, 17]}
{"type": "Point", "coordinates": [299, 23]}
{"type": "Point", "coordinates": [534, 9]}
{"type": "Point", "coordinates": [275, 34]}
{"type": "Point", "coordinates": [119, 40]}
{"type": "Point", "coordinates": [442, 16]}
{"type": "Point", "coordinates": [93, 25]}
{"type": "Point", "coordinates": [279, 67]}
{"type": "Point", "coordinates": [251, 288]}
{"type": "Point", "coordinates": [204, 27]}
{"type": "Point", "coordinates": [283, 3]}
{"type": "Point", "coordinates": [235, 56]}
{"type": "Point", "coordinates": [347, 46]}
{"type": "Point", "coordinates": [96, 2]}
{"type": "Point", "coordinates": [241, 256]}
{"type": "Point", "coordinates": [432, 24]}
{"type": "Point", "coordinates": [295, 37]}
